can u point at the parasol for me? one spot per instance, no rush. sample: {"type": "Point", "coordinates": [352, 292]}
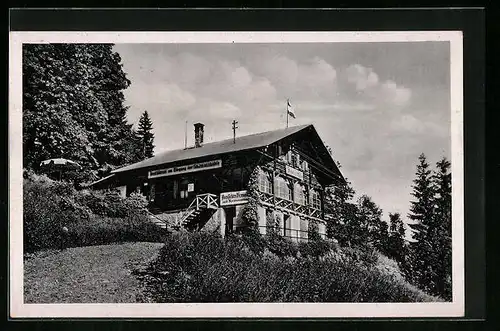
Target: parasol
{"type": "Point", "coordinates": [59, 165]}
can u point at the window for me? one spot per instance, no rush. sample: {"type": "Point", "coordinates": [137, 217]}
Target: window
{"type": "Point", "coordinates": [304, 226]}
{"type": "Point", "coordinates": [282, 189]}
{"type": "Point", "coordinates": [299, 194]}
{"type": "Point", "coordinates": [304, 165]}
{"type": "Point", "coordinates": [184, 189]}
{"type": "Point", "coordinates": [152, 193]}
{"type": "Point", "coordinates": [315, 199]}
{"type": "Point", "coordinates": [295, 160]}
{"type": "Point", "coordinates": [265, 182]}
{"type": "Point", "coordinates": [287, 227]}
{"type": "Point", "coordinates": [289, 156]}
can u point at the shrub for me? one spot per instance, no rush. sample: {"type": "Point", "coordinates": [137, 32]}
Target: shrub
{"type": "Point", "coordinates": [92, 218]}
{"type": "Point", "coordinates": [203, 267]}
{"type": "Point", "coordinates": [316, 248]}
{"type": "Point", "coordinates": [281, 246]}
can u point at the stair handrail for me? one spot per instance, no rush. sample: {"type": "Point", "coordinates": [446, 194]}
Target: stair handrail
{"type": "Point", "coordinates": [151, 214]}
{"type": "Point", "coordinates": [201, 200]}
{"type": "Point", "coordinates": [186, 211]}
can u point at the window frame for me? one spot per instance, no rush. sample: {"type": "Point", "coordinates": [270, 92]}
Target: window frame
{"type": "Point", "coordinates": [315, 202]}
{"type": "Point", "coordinates": [299, 191]}
{"type": "Point", "coordinates": [278, 188]}
{"type": "Point", "coordinates": [265, 181]}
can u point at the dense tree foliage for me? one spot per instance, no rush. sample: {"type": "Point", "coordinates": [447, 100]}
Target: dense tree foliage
{"type": "Point", "coordinates": [429, 264]}
{"type": "Point", "coordinates": [396, 243]}
{"type": "Point", "coordinates": [145, 136]}
{"type": "Point", "coordinates": [73, 107]}
{"type": "Point", "coordinates": [442, 238]}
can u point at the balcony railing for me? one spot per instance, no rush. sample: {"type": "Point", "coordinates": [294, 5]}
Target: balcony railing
{"type": "Point", "coordinates": [293, 234]}
{"type": "Point", "coordinates": [267, 199]}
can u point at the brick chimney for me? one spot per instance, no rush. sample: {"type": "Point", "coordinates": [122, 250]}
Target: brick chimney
{"type": "Point", "coordinates": [198, 134]}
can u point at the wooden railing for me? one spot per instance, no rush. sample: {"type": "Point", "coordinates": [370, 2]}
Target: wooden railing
{"type": "Point", "coordinates": [207, 200]}
{"type": "Point", "coordinates": [294, 234]}
{"type": "Point", "coordinates": [201, 201]}
{"type": "Point", "coordinates": [267, 199]}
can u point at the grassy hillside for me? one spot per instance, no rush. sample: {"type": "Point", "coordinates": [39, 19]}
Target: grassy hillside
{"type": "Point", "coordinates": [191, 267]}
{"type": "Point", "coordinates": [95, 274]}
{"type": "Point", "coordinates": [203, 267]}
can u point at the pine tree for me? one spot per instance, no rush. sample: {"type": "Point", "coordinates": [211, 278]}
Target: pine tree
{"type": "Point", "coordinates": [145, 136]}
{"type": "Point", "coordinates": [442, 239]}
{"type": "Point", "coordinates": [372, 230]}
{"type": "Point", "coordinates": [396, 247]}
{"type": "Point", "coordinates": [420, 267]}
{"type": "Point", "coordinates": [340, 212]}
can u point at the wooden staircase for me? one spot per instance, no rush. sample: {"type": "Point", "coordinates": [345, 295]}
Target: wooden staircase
{"type": "Point", "coordinates": [199, 212]}
{"type": "Point", "coordinates": [157, 220]}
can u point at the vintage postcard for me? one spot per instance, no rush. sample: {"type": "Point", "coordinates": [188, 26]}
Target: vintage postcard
{"type": "Point", "coordinates": [236, 174]}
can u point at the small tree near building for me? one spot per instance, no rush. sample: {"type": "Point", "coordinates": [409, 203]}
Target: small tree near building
{"type": "Point", "coordinates": [145, 136]}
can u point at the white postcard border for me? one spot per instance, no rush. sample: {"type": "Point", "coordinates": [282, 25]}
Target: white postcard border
{"type": "Point", "coordinates": [233, 310]}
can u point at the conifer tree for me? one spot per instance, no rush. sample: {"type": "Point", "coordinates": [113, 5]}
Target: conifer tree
{"type": "Point", "coordinates": [420, 268]}
{"type": "Point", "coordinates": [341, 213]}
{"type": "Point", "coordinates": [372, 230]}
{"type": "Point", "coordinates": [442, 238]}
{"type": "Point", "coordinates": [145, 136]}
{"type": "Point", "coordinates": [396, 247]}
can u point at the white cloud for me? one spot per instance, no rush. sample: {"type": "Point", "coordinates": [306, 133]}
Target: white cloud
{"type": "Point", "coordinates": [410, 124]}
{"type": "Point", "coordinates": [361, 77]}
{"type": "Point", "coordinates": [317, 73]}
{"type": "Point", "coordinates": [223, 110]}
{"type": "Point", "coordinates": [367, 82]}
{"type": "Point", "coordinates": [397, 95]}
{"type": "Point", "coordinates": [158, 99]}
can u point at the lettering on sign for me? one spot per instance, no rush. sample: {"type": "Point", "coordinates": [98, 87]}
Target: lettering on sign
{"type": "Point", "coordinates": [185, 169]}
{"type": "Point", "coordinates": [233, 198]}
{"type": "Point", "coordinates": [294, 172]}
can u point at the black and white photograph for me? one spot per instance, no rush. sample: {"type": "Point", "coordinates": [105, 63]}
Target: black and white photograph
{"type": "Point", "coordinates": [240, 174]}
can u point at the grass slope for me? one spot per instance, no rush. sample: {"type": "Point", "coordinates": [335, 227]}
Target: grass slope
{"type": "Point", "coordinates": [95, 274]}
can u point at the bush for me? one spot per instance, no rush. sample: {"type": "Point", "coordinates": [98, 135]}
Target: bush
{"type": "Point", "coordinates": [316, 248]}
{"type": "Point", "coordinates": [91, 218]}
{"type": "Point", "coordinates": [281, 246]}
{"type": "Point", "coordinates": [204, 267]}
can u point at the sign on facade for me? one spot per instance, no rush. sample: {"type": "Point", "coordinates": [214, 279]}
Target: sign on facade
{"type": "Point", "coordinates": [207, 165]}
{"type": "Point", "coordinates": [191, 187]}
{"type": "Point", "coordinates": [233, 198]}
{"type": "Point", "coordinates": [294, 172]}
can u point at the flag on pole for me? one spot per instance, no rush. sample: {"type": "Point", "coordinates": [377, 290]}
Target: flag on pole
{"type": "Point", "coordinates": [289, 109]}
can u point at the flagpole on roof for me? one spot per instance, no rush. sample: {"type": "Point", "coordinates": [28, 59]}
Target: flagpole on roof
{"type": "Point", "coordinates": [287, 103]}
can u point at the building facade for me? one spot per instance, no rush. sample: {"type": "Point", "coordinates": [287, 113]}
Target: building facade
{"type": "Point", "coordinates": [207, 184]}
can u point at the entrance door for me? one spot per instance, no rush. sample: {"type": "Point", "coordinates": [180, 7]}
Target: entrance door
{"type": "Point", "coordinates": [230, 215]}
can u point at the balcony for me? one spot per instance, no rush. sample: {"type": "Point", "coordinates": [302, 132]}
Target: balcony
{"type": "Point", "coordinates": [289, 206]}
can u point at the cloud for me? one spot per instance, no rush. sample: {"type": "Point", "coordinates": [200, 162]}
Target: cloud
{"type": "Point", "coordinates": [410, 124]}
{"type": "Point", "coordinates": [368, 84]}
{"type": "Point", "coordinates": [223, 110]}
{"type": "Point", "coordinates": [296, 79]}
{"type": "Point", "coordinates": [361, 77]}
{"type": "Point", "coordinates": [159, 98]}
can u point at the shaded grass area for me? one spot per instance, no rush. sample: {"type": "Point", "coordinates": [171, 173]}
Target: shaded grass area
{"type": "Point", "coordinates": [95, 274]}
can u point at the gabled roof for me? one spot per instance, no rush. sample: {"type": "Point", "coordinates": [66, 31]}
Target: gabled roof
{"type": "Point", "coordinates": [243, 143]}
{"type": "Point", "coordinates": [215, 148]}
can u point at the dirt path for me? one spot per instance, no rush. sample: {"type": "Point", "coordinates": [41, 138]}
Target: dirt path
{"type": "Point", "coordinates": [94, 274]}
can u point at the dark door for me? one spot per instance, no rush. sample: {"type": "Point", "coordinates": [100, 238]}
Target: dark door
{"type": "Point", "coordinates": [230, 215]}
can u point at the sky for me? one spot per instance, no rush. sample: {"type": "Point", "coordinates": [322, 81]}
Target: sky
{"type": "Point", "coordinates": [377, 105]}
